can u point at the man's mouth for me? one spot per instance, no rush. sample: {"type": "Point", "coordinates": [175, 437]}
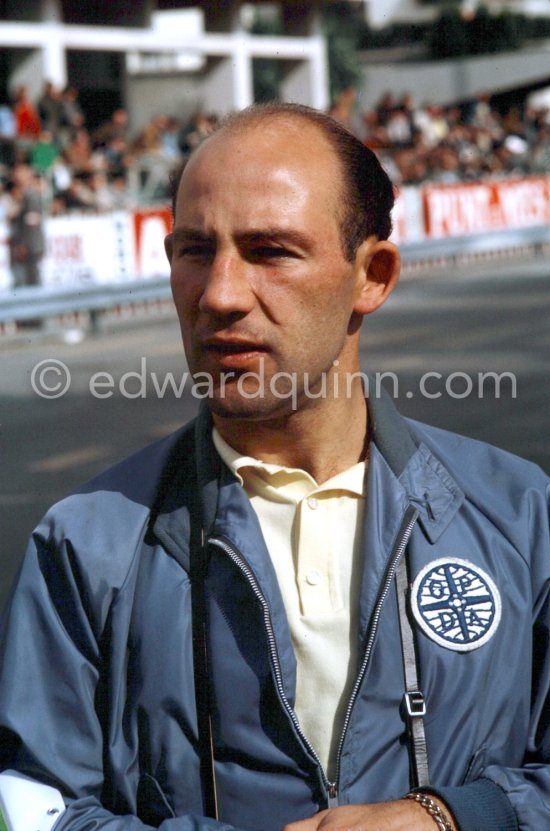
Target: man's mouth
{"type": "Point", "coordinates": [234, 353]}
{"type": "Point", "coordinates": [233, 347]}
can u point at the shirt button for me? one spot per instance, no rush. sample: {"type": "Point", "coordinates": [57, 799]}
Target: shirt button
{"type": "Point", "coordinates": [312, 502]}
{"type": "Point", "coordinates": [314, 577]}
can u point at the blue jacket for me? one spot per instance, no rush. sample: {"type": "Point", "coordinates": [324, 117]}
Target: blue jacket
{"type": "Point", "coordinates": [97, 693]}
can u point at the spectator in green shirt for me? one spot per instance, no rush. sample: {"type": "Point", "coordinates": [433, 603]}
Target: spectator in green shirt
{"type": "Point", "coordinates": [44, 153]}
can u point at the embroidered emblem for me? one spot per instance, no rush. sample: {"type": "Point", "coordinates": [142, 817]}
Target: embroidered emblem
{"type": "Point", "coordinates": [456, 604]}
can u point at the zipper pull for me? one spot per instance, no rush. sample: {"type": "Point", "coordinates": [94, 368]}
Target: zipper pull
{"type": "Point", "coordinates": [332, 796]}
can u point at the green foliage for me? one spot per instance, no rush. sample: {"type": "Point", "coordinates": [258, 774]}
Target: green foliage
{"type": "Point", "coordinates": [540, 27]}
{"type": "Point", "coordinates": [515, 29]}
{"type": "Point", "coordinates": [449, 37]}
{"type": "Point", "coordinates": [453, 36]}
{"type": "Point", "coordinates": [267, 79]}
{"type": "Point", "coordinates": [481, 33]}
{"type": "Point", "coordinates": [484, 33]}
{"type": "Point", "coordinates": [267, 72]}
{"type": "Point", "coordinates": [342, 25]}
{"type": "Point", "coordinates": [395, 35]}
{"type": "Point", "coordinates": [344, 69]}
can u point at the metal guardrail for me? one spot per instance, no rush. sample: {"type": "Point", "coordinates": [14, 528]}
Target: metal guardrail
{"type": "Point", "coordinates": [463, 249]}
{"type": "Point", "coordinates": [31, 303]}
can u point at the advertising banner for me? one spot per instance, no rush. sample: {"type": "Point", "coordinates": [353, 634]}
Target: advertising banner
{"type": "Point", "coordinates": [463, 209]}
{"type": "Point", "coordinates": [85, 250]}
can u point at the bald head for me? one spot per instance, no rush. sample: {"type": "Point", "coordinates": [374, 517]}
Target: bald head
{"type": "Point", "coordinates": [363, 194]}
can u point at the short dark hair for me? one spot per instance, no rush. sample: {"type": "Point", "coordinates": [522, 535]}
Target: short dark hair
{"type": "Point", "coordinates": [368, 192]}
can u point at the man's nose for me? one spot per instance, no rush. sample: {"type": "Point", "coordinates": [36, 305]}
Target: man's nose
{"type": "Point", "coordinates": [227, 289]}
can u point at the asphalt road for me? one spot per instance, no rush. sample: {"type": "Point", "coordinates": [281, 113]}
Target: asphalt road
{"type": "Point", "coordinates": [493, 320]}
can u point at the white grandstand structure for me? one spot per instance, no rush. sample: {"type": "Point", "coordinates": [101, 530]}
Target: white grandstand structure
{"type": "Point", "coordinates": [204, 46]}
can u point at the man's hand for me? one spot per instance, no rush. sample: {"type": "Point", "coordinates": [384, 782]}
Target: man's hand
{"type": "Point", "coordinates": [401, 815]}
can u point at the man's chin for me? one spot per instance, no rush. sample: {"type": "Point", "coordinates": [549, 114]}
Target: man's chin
{"type": "Point", "coordinates": [238, 407]}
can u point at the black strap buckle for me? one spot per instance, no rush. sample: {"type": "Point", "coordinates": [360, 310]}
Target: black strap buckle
{"type": "Point", "coordinates": [415, 704]}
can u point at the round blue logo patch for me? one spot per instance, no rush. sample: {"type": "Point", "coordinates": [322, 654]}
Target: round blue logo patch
{"type": "Point", "coordinates": [456, 604]}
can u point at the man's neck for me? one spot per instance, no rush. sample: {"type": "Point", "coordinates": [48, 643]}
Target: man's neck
{"type": "Point", "coordinates": [322, 441]}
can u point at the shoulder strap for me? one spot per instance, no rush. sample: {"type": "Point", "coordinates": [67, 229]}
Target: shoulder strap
{"type": "Point", "coordinates": [414, 704]}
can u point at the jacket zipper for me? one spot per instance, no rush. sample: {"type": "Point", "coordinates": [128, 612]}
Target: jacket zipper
{"type": "Point", "coordinates": [274, 657]}
{"type": "Point", "coordinates": [331, 788]}
{"type": "Point", "coordinates": [409, 520]}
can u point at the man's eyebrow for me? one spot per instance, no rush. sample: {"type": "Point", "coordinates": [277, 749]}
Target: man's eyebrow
{"type": "Point", "coordinates": [274, 234]}
{"type": "Point", "coordinates": [191, 235]}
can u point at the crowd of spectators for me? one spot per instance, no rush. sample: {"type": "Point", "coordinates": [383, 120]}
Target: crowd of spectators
{"type": "Point", "coordinates": [79, 169]}
{"type": "Point", "coordinates": [457, 143]}
{"type": "Point", "coordinates": [83, 170]}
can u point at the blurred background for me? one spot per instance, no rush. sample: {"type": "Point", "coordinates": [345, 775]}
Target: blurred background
{"type": "Point", "coordinates": [103, 99]}
{"type": "Point", "coordinates": [99, 103]}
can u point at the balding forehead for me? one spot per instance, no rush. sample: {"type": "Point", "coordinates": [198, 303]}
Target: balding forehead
{"type": "Point", "coordinates": [268, 127]}
{"type": "Point", "coordinates": [261, 142]}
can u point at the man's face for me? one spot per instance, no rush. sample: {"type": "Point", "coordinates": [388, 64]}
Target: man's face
{"type": "Point", "coordinates": [259, 278]}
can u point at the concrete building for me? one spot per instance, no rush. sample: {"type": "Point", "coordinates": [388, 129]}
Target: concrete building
{"type": "Point", "coordinates": [165, 56]}
{"type": "Point", "coordinates": [453, 79]}
{"type": "Point", "coordinates": [380, 13]}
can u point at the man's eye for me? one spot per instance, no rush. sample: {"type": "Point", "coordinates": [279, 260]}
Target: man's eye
{"type": "Point", "coordinates": [268, 252]}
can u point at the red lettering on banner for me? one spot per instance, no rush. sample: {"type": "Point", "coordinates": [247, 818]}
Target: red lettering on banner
{"type": "Point", "coordinates": [69, 248]}
{"type": "Point", "coordinates": [456, 210]}
{"type": "Point", "coordinates": [525, 202]}
{"type": "Point", "coordinates": [150, 228]}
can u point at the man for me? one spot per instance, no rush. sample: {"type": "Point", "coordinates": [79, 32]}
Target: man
{"type": "Point", "coordinates": [367, 599]}
{"type": "Point", "coordinates": [27, 242]}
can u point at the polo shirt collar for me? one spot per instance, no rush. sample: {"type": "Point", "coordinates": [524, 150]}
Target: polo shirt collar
{"type": "Point", "coordinates": [289, 482]}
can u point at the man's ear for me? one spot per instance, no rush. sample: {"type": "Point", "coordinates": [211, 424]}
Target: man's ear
{"type": "Point", "coordinates": [377, 265]}
{"type": "Point", "coordinates": [169, 246]}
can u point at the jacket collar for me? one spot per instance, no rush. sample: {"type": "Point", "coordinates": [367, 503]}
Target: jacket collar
{"type": "Point", "coordinates": [424, 480]}
{"type": "Point", "coordinates": [427, 483]}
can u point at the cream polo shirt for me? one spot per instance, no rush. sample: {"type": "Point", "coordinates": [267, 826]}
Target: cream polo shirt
{"type": "Point", "coordinates": [312, 533]}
